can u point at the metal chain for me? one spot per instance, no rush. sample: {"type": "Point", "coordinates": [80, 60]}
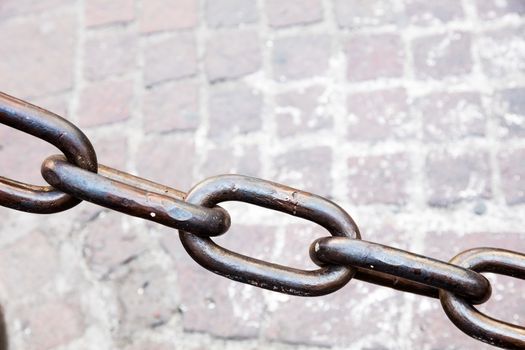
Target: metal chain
{"type": "Point", "coordinates": [77, 176]}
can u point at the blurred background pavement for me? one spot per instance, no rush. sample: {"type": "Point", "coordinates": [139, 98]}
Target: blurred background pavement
{"type": "Point", "coordinates": [408, 113]}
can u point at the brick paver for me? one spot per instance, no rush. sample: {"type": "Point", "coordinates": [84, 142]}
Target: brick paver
{"type": "Point", "coordinates": [410, 114]}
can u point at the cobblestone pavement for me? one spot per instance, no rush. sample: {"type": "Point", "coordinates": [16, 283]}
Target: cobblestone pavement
{"type": "Point", "coordinates": [410, 114]}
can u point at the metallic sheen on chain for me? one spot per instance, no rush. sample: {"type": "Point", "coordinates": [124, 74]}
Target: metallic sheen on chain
{"type": "Point", "coordinates": [470, 320]}
{"type": "Point", "coordinates": [76, 176]}
{"type": "Point", "coordinates": [55, 130]}
{"type": "Point", "coordinates": [134, 196]}
{"type": "Point", "coordinates": [281, 198]}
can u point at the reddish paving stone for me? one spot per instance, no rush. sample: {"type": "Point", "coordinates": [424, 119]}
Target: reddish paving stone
{"type": "Point", "coordinates": [107, 54]}
{"type": "Point", "coordinates": [13, 144]}
{"type": "Point", "coordinates": [366, 57]}
{"type": "Point", "coordinates": [112, 150]}
{"type": "Point", "coordinates": [300, 168]}
{"type": "Point", "coordinates": [36, 263]}
{"type": "Point", "coordinates": [358, 13]}
{"type": "Point", "coordinates": [230, 160]}
{"type": "Point", "coordinates": [510, 110]}
{"type": "Point", "coordinates": [11, 8]}
{"type": "Point", "coordinates": [40, 61]}
{"type": "Point", "coordinates": [172, 164]}
{"type": "Point", "coordinates": [451, 116]}
{"type": "Point", "coordinates": [234, 109]}
{"type": "Point", "coordinates": [302, 111]}
{"type": "Point", "coordinates": [164, 15]}
{"type": "Point", "coordinates": [64, 317]}
{"type": "Point", "coordinates": [171, 58]}
{"type": "Point", "coordinates": [285, 13]}
{"type": "Point", "coordinates": [454, 177]}
{"type": "Point", "coordinates": [434, 328]}
{"type": "Point", "coordinates": [109, 244]}
{"type": "Point", "coordinates": [214, 304]}
{"type": "Point", "coordinates": [101, 12]}
{"type": "Point", "coordinates": [502, 52]}
{"type": "Point", "coordinates": [171, 107]}
{"type": "Point", "coordinates": [105, 103]}
{"type": "Point", "coordinates": [300, 57]}
{"type": "Point", "coordinates": [232, 54]}
{"type": "Point", "coordinates": [379, 115]}
{"type": "Point", "coordinates": [58, 104]}
{"type": "Point", "coordinates": [512, 173]}
{"type": "Point", "coordinates": [230, 13]}
{"type": "Point", "coordinates": [146, 299]}
{"type": "Point", "coordinates": [442, 56]}
{"type": "Point", "coordinates": [421, 12]}
{"type": "Point", "coordinates": [379, 179]}
{"type": "Point", "coordinates": [489, 9]}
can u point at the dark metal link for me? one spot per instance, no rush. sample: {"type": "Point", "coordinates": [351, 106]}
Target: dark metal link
{"type": "Point", "coordinates": [135, 196]}
{"type": "Point", "coordinates": [408, 267]}
{"type": "Point", "coordinates": [55, 130]}
{"type": "Point", "coordinates": [257, 272]}
{"type": "Point", "coordinates": [469, 319]}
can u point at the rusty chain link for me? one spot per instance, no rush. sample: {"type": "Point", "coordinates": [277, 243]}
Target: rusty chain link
{"type": "Point", "coordinates": [77, 176]}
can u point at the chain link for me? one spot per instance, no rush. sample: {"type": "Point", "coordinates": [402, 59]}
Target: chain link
{"type": "Point", "coordinates": [77, 176]}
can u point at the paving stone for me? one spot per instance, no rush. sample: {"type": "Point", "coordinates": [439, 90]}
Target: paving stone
{"type": "Point", "coordinates": [366, 53]}
{"type": "Point", "coordinates": [106, 102]}
{"type": "Point", "coordinates": [422, 12]}
{"type": "Point", "coordinates": [358, 13]}
{"type": "Point", "coordinates": [453, 177]}
{"type": "Point", "coordinates": [109, 244]}
{"type": "Point", "coordinates": [100, 12]}
{"type": "Point", "coordinates": [512, 174]}
{"type": "Point", "coordinates": [451, 116]}
{"type": "Point", "coordinates": [108, 54]}
{"type": "Point", "coordinates": [166, 15]}
{"type": "Point", "coordinates": [442, 56]}
{"type": "Point", "coordinates": [298, 168]}
{"type": "Point", "coordinates": [172, 58]}
{"type": "Point", "coordinates": [40, 61]}
{"type": "Point", "coordinates": [12, 8]}
{"type": "Point", "coordinates": [58, 104]}
{"type": "Point", "coordinates": [234, 109]}
{"type": "Point", "coordinates": [285, 13]}
{"type": "Point", "coordinates": [502, 52]}
{"type": "Point", "coordinates": [112, 150]}
{"type": "Point", "coordinates": [146, 299]}
{"type": "Point", "coordinates": [379, 115]}
{"type": "Point", "coordinates": [231, 13]}
{"type": "Point", "coordinates": [171, 107]}
{"type": "Point", "coordinates": [230, 160]}
{"type": "Point", "coordinates": [27, 168]}
{"type": "Point", "coordinates": [300, 57]}
{"type": "Point", "coordinates": [232, 54]}
{"type": "Point", "coordinates": [379, 179]}
{"type": "Point", "coordinates": [490, 9]}
{"type": "Point", "coordinates": [509, 109]}
{"type": "Point", "coordinates": [34, 322]}
{"type": "Point", "coordinates": [302, 111]}
{"type": "Point", "coordinates": [162, 165]}
{"type": "Point", "coordinates": [36, 262]}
